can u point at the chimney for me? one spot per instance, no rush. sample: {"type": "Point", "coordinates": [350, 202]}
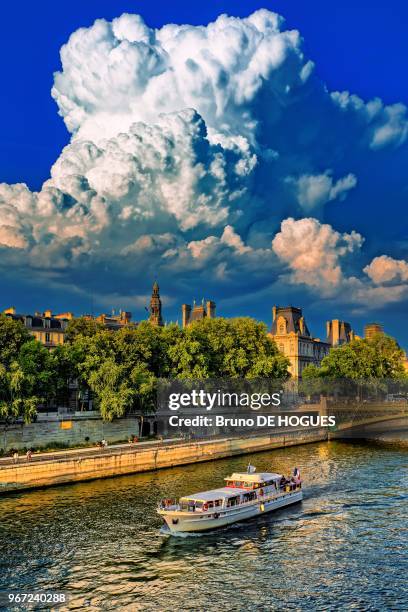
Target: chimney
{"type": "Point", "coordinates": [328, 326]}
{"type": "Point", "coordinates": [210, 307]}
{"type": "Point", "coordinates": [273, 313]}
{"type": "Point", "coordinates": [10, 310]}
{"type": "Point", "coordinates": [48, 313]}
{"type": "Point", "coordinates": [186, 311]}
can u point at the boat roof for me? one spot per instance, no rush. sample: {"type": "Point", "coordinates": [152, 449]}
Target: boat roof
{"type": "Point", "coordinates": [214, 494]}
{"type": "Point", "coordinates": [257, 477]}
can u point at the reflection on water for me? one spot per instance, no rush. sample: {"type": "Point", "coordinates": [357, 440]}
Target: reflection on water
{"type": "Point", "coordinates": [343, 547]}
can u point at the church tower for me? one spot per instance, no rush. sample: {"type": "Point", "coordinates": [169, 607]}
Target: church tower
{"type": "Point", "coordinates": [155, 308]}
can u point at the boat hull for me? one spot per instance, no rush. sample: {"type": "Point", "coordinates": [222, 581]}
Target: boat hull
{"type": "Point", "coordinates": [183, 522]}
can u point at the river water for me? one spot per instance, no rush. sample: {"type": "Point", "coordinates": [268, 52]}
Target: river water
{"type": "Point", "coordinates": [342, 548]}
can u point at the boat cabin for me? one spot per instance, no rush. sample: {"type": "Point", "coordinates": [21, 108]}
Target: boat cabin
{"type": "Point", "coordinates": [253, 481]}
{"type": "Point", "coordinates": [216, 499]}
{"type": "Point", "coordinates": [239, 489]}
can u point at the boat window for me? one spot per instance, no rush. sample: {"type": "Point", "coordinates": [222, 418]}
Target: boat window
{"type": "Point", "coordinates": [217, 502]}
{"type": "Point", "coordinates": [238, 483]}
{"type": "Point", "coordinates": [190, 504]}
{"type": "Point", "coordinates": [233, 501]}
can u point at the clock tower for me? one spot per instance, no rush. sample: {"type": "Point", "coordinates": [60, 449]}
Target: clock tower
{"type": "Point", "coordinates": [155, 308]}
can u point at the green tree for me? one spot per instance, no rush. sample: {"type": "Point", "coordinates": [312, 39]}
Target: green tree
{"type": "Point", "coordinates": [366, 364]}
{"type": "Point", "coordinates": [378, 357]}
{"type": "Point", "coordinates": [81, 326]}
{"type": "Point", "coordinates": [26, 383]}
{"type": "Point", "coordinates": [120, 367]}
{"type": "Point", "coordinates": [233, 348]}
{"type": "Point", "coordinates": [16, 399]}
{"type": "Point", "coordinates": [112, 389]}
{"type": "Point", "coordinates": [13, 335]}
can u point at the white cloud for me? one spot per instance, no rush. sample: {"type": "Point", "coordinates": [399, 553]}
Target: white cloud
{"type": "Point", "coordinates": [128, 72]}
{"type": "Point", "coordinates": [313, 252]}
{"type": "Point", "coordinates": [387, 125]}
{"type": "Point", "coordinates": [385, 269]}
{"type": "Point", "coordinates": [315, 190]}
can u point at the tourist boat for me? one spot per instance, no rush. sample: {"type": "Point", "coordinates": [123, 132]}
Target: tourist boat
{"type": "Point", "coordinates": [245, 495]}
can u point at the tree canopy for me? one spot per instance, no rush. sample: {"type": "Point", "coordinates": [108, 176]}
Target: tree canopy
{"type": "Point", "coordinates": [13, 335]}
{"type": "Point", "coordinates": [377, 357]}
{"type": "Point", "coordinates": [121, 368]}
{"type": "Point", "coordinates": [233, 348]}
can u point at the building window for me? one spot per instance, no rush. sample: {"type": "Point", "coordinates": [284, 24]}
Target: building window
{"type": "Point", "coordinates": [47, 338]}
{"type": "Point", "coordinates": [282, 348]}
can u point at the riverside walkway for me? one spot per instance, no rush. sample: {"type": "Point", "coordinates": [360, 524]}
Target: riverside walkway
{"type": "Point", "coordinates": [90, 451]}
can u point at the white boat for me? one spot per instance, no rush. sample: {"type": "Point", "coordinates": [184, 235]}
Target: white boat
{"type": "Point", "coordinates": [245, 495]}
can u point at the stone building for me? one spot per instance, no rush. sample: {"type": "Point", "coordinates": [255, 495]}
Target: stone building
{"type": "Point", "coordinates": [155, 307]}
{"type": "Point", "coordinates": [197, 313]}
{"type": "Point", "coordinates": [293, 339]}
{"type": "Point", "coordinates": [339, 332]}
{"type": "Point", "coordinates": [46, 327]}
{"type": "Point", "coordinates": [113, 321]}
{"type": "Point", "coordinates": [372, 329]}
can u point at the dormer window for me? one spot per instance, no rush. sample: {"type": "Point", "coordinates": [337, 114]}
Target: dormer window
{"type": "Point", "coordinates": [281, 326]}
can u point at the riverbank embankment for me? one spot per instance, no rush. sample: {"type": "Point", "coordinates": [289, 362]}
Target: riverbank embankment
{"type": "Point", "coordinates": [80, 466]}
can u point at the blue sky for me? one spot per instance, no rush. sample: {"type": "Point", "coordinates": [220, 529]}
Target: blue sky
{"type": "Point", "coordinates": [362, 188]}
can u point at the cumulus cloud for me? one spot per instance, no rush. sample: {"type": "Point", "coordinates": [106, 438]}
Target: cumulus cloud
{"type": "Point", "coordinates": [313, 252]}
{"type": "Point", "coordinates": [313, 191]}
{"type": "Point", "coordinates": [387, 125]}
{"type": "Point", "coordinates": [190, 147]}
{"type": "Point", "coordinates": [385, 269]}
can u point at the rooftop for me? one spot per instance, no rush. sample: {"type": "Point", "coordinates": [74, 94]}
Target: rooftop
{"type": "Point", "coordinates": [214, 494]}
{"type": "Point", "coordinates": [260, 477]}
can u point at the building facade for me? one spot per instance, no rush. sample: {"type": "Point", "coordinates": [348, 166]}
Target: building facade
{"type": "Point", "coordinates": [46, 327]}
{"type": "Point", "coordinates": [197, 312]}
{"type": "Point", "coordinates": [293, 339]}
{"type": "Point", "coordinates": [372, 329]}
{"type": "Point", "coordinates": [339, 332]}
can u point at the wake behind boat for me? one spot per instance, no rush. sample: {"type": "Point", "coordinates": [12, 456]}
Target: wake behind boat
{"type": "Point", "coordinates": [244, 496]}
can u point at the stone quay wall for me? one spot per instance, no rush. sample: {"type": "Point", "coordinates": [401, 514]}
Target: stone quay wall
{"type": "Point", "coordinates": [113, 462]}
{"type": "Point", "coordinates": [69, 430]}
